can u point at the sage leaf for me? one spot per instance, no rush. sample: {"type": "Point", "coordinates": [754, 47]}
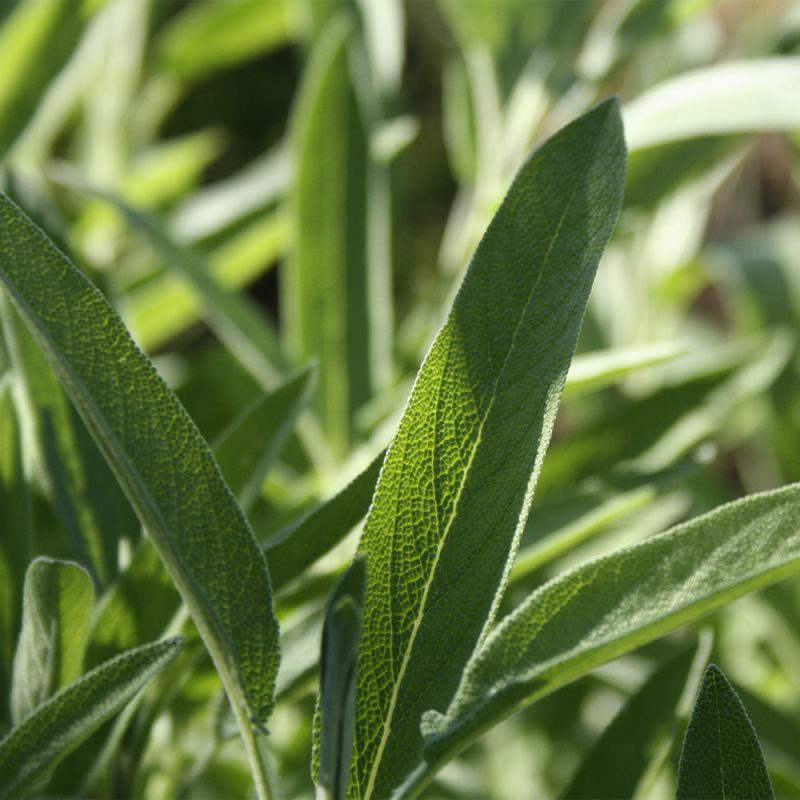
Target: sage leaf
{"type": "Point", "coordinates": [161, 461]}
{"type": "Point", "coordinates": [734, 97]}
{"type": "Point", "coordinates": [721, 756]}
{"type": "Point", "coordinates": [610, 606]}
{"type": "Point", "coordinates": [56, 615]}
{"type": "Point", "coordinates": [340, 637]}
{"type": "Point", "coordinates": [15, 541]}
{"type": "Point", "coordinates": [86, 497]}
{"type": "Point", "coordinates": [58, 726]}
{"type": "Point", "coordinates": [247, 448]}
{"type": "Point", "coordinates": [335, 291]}
{"type": "Point", "coordinates": [303, 542]}
{"type": "Point", "coordinates": [458, 479]}
{"type": "Point", "coordinates": [615, 764]}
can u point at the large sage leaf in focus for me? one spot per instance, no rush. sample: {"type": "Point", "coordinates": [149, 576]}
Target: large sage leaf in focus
{"type": "Point", "coordinates": [610, 606]}
{"type": "Point", "coordinates": [58, 726]}
{"type": "Point", "coordinates": [458, 479]}
{"type": "Point", "coordinates": [161, 461]}
{"type": "Point", "coordinates": [721, 756]}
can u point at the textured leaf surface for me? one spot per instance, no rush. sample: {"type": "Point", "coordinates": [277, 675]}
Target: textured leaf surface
{"type": "Point", "coordinates": [159, 458]}
{"type": "Point", "coordinates": [58, 726]}
{"type": "Point", "coordinates": [56, 614]}
{"type": "Point", "coordinates": [721, 756]}
{"type": "Point", "coordinates": [141, 603]}
{"type": "Point", "coordinates": [86, 497]}
{"type": "Point", "coordinates": [736, 97]}
{"type": "Point", "coordinates": [459, 476]}
{"type": "Point", "coordinates": [615, 604]}
{"type": "Point", "coordinates": [302, 544]}
{"type": "Point", "coordinates": [333, 291]}
{"type": "Point", "coordinates": [15, 539]}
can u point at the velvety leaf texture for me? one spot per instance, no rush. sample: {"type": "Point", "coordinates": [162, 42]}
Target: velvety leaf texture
{"type": "Point", "coordinates": [458, 479]}
{"type": "Point", "coordinates": [721, 757]}
{"type": "Point", "coordinates": [159, 457]}
{"type": "Point", "coordinates": [57, 727]}
{"type": "Point", "coordinates": [56, 613]}
{"type": "Point", "coordinates": [615, 604]}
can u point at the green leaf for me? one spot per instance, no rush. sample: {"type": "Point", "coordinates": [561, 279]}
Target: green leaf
{"type": "Point", "coordinates": [618, 759]}
{"type": "Point", "coordinates": [66, 719]}
{"type": "Point", "coordinates": [301, 544]}
{"type": "Point", "coordinates": [596, 370]}
{"type": "Point", "coordinates": [15, 540]}
{"type": "Point", "coordinates": [56, 615]}
{"type": "Point", "coordinates": [139, 606]}
{"type": "Point", "coordinates": [236, 321]}
{"type": "Point", "coordinates": [612, 605]}
{"type": "Point", "coordinates": [457, 482]}
{"type": "Point", "coordinates": [221, 33]}
{"type": "Point", "coordinates": [160, 460]}
{"type": "Point", "coordinates": [87, 498]}
{"type": "Point", "coordinates": [735, 97]}
{"type": "Point", "coordinates": [721, 756]}
{"type": "Point", "coordinates": [36, 40]}
{"type": "Point", "coordinates": [246, 450]}
{"type": "Point", "coordinates": [340, 637]}
{"type": "Point", "coordinates": [334, 289]}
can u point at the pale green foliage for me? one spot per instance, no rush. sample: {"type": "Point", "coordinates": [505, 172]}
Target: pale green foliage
{"type": "Point", "coordinates": [58, 725]}
{"type": "Point", "coordinates": [56, 614]}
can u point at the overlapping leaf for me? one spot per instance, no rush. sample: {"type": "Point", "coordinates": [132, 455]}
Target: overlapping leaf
{"type": "Point", "coordinates": [457, 481]}
{"type": "Point", "coordinates": [159, 458]}
{"type": "Point", "coordinates": [612, 605]}
{"type": "Point", "coordinates": [57, 727]}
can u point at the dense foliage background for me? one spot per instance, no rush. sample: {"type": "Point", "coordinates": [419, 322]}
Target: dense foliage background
{"type": "Point", "coordinates": [256, 184]}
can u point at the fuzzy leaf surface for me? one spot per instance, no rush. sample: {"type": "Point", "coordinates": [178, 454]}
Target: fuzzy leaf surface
{"type": "Point", "coordinates": [66, 719]}
{"type": "Point", "coordinates": [458, 479]}
{"type": "Point", "coordinates": [56, 614]}
{"type": "Point", "coordinates": [721, 756]}
{"type": "Point", "coordinates": [159, 457]}
{"type": "Point", "coordinates": [610, 606]}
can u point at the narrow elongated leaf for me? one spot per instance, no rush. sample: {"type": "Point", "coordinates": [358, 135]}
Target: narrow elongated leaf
{"type": "Point", "coordinates": [237, 323]}
{"type": "Point", "coordinates": [721, 756]}
{"type": "Point", "coordinates": [15, 538]}
{"type": "Point", "coordinates": [300, 545]}
{"type": "Point", "coordinates": [56, 614]}
{"type": "Point", "coordinates": [246, 450]}
{"type": "Point", "coordinates": [618, 759]}
{"type": "Point", "coordinates": [159, 458]}
{"type": "Point", "coordinates": [610, 606]}
{"type": "Point", "coordinates": [340, 637]}
{"type": "Point", "coordinates": [592, 371]}
{"type": "Point", "coordinates": [85, 495]}
{"type": "Point", "coordinates": [457, 481]}
{"type": "Point", "coordinates": [67, 718]}
{"type": "Point", "coordinates": [35, 41]}
{"type": "Point", "coordinates": [140, 605]}
{"type": "Point", "coordinates": [735, 97]}
{"type": "Point", "coordinates": [217, 34]}
{"type": "Point", "coordinates": [333, 292]}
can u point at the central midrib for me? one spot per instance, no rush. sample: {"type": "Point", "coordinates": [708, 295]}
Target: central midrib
{"type": "Point", "coordinates": [387, 725]}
